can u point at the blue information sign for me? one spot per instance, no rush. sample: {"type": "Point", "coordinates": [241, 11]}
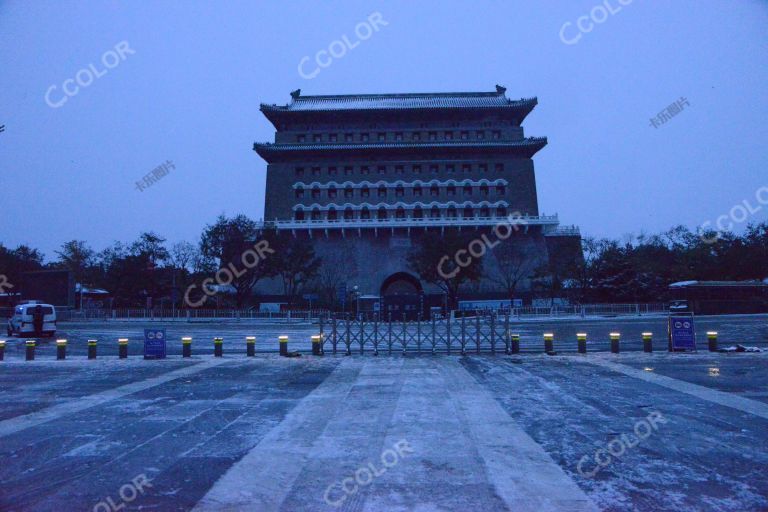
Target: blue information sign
{"type": "Point", "coordinates": [682, 335]}
{"type": "Point", "coordinates": [154, 343]}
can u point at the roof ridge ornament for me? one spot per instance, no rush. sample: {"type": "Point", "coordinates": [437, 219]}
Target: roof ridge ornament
{"type": "Point", "coordinates": [500, 89]}
{"type": "Point", "coordinates": [295, 94]}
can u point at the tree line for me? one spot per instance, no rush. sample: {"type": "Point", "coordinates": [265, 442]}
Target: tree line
{"type": "Point", "coordinates": [631, 269]}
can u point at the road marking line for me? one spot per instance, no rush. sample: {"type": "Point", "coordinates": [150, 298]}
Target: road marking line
{"type": "Point", "coordinates": [521, 471]}
{"type": "Point", "coordinates": [19, 423]}
{"type": "Point", "coordinates": [710, 395]}
{"type": "Point", "coordinates": [262, 479]}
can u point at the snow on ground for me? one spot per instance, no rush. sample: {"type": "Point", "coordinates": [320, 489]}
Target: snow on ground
{"type": "Point", "coordinates": [523, 432]}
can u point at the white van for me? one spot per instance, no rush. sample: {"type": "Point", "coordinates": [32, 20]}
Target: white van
{"type": "Point", "coordinates": [22, 323]}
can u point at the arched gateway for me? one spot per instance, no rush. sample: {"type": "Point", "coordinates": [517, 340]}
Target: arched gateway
{"type": "Point", "coordinates": [402, 296]}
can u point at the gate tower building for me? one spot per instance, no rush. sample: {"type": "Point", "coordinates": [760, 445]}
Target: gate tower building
{"type": "Point", "coordinates": [364, 176]}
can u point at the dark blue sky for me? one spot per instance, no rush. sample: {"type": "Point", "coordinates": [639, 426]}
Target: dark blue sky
{"type": "Point", "coordinates": [191, 90]}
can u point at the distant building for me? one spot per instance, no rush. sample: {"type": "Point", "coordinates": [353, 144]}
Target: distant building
{"type": "Point", "coordinates": [364, 176]}
{"type": "Point", "coordinates": [721, 297]}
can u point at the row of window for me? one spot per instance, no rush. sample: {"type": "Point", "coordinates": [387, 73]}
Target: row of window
{"type": "Point", "coordinates": [400, 136]}
{"type": "Point", "coordinates": [399, 191]}
{"type": "Point", "coordinates": [400, 213]}
{"type": "Point", "coordinates": [365, 170]}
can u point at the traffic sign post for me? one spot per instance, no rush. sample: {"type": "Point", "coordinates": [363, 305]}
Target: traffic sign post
{"type": "Point", "coordinates": [682, 333]}
{"type": "Point", "coordinates": [154, 344]}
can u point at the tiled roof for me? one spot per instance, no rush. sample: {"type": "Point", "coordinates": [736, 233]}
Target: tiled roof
{"type": "Point", "coordinates": [401, 101]}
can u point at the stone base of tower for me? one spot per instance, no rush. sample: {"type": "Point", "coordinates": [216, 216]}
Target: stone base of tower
{"type": "Point", "coordinates": [373, 266]}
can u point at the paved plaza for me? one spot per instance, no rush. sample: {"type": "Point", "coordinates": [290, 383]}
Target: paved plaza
{"type": "Point", "coordinates": [631, 431]}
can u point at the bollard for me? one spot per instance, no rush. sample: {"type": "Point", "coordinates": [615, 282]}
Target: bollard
{"type": "Point", "coordinates": [515, 342]}
{"type": "Point", "coordinates": [2, 350]}
{"type": "Point", "coordinates": [218, 347]}
{"type": "Point", "coordinates": [186, 346]}
{"type": "Point", "coordinates": [581, 339]}
{"type": "Point", "coordinates": [122, 348]}
{"type": "Point", "coordinates": [549, 339]}
{"type": "Point", "coordinates": [615, 337]}
{"type": "Point", "coordinates": [712, 341]}
{"type": "Point", "coordinates": [61, 349]}
{"type": "Point", "coordinates": [30, 350]}
{"type": "Point", "coordinates": [648, 342]}
{"type": "Point", "coordinates": [283, 345]}
{"type": "Point", "coordinates": [316, 339]}
{"type": "Point", "coordinates": [250, 346]}
{"type": "Point", "coordinates": [91, 349]}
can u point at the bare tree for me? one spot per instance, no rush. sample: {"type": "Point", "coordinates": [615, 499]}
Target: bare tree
{"type": "Point", "coordinates": [515, 262]}
{"type": "Point", "coordinates": [184, 255]}
{"type": "Point", "coordinates": [335, 270]}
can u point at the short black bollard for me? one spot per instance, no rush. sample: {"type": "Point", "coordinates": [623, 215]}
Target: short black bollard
{"type": "Point", "coordinates": [2, 350]}
{"type": "Point", "coordinates": [712, 341]}
{"type": "Point", "coordinates": [316, 340]}
{"type": "Point", "coordinates": [61, 349]}
{"type": "Point", "coordinates": [186, 346]}
{"type": "Point", "coordinates": [218, 347]}
{"type": "Point", "coordinates": [250, 346]}
{"type": "Point", "coordinates": [549, 342]}
{"type": "Point", "coordinates": [515, 342]}
{"type": "Point", "coordinates": [581, 339]}
{"type": "Point", "coordinates": [30, 350]}
{"type": "Point", "coordinates": [615, 337]}
{"type": "Point", "coordinates": [648, 342]}
{"type": "Point", "coordinates": [91, 349]}
{"type": "Point", "coordinates": [283, 345]}
{"type": "Point", "coordinates": [122, 348]}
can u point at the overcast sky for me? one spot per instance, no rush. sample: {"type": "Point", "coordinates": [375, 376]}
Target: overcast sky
{"type": "Point", "coordinates": [189, 89]}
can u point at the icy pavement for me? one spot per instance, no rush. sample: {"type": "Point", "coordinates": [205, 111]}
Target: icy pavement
{"type": "Point", "coordinates": [427, 433]}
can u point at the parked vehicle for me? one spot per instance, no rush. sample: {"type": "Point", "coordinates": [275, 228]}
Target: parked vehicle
{"type": "Point", "coordinates": [679, 306]}
{"type": "Point", "coordinates": [32, 319]}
